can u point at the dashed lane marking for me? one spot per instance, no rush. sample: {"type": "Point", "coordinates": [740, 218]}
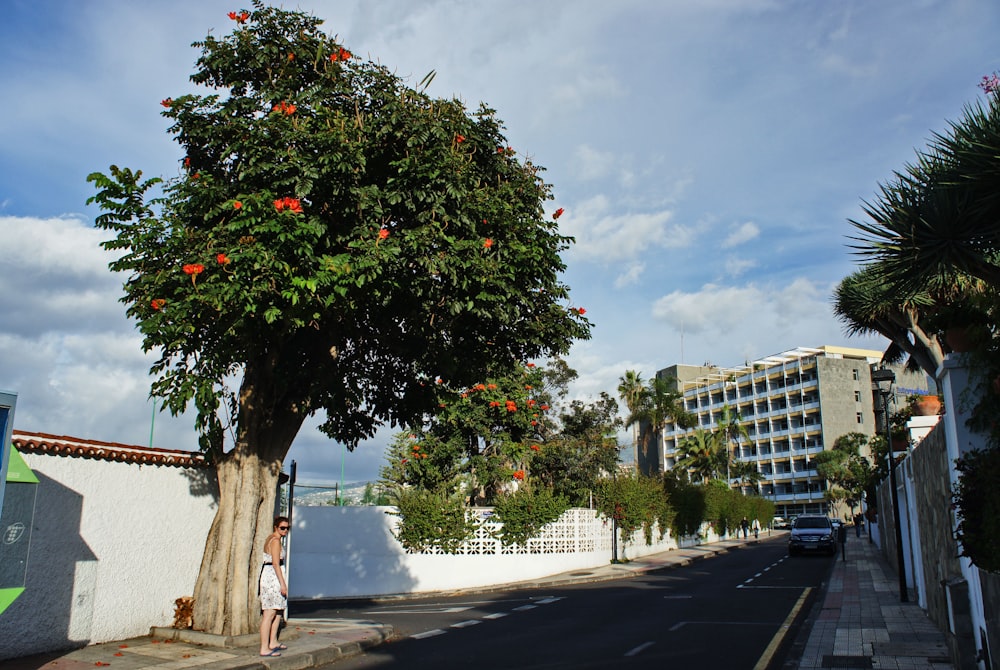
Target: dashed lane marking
{"type": "Point", "coordinates": [638, 650]}
{"type": "Point", "coordinates": [469, 622]}
{"type": "Point", "coordinates": [466, 624]}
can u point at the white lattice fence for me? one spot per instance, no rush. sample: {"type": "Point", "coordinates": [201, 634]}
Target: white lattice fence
{"type": "Point", "coordinates": [351, 551]}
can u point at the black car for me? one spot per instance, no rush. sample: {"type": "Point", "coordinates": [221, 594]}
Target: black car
{"type": "Point", "coordinates": [812, 533]}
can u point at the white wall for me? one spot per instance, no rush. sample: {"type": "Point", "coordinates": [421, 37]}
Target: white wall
{"type": "Point", "coordinates": [112, 546]}
{"type": "Point", "coordinates": [351, 552]}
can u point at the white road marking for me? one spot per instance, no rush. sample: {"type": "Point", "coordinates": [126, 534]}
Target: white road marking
{"type": "Point", "coordinates": [676, 626]}
{"type": "Point", "coordinates": [642, 647]}
{"type": "Point", "coordinates": [433, 610]}
{"type": "Point", "coordinates": [466, 624]}
{"type": "Point", "coordinates": [495, 615]}
{"type": "Point", "coordinates": [525, 608]}
{"type": "Point", "coordinates": [428, 633]}
{"type": "Point", "coordinates": [550, 599]}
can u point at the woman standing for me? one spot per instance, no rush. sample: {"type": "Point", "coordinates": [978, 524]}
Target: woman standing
{"type": "Point", "coordinates": [273, 589]}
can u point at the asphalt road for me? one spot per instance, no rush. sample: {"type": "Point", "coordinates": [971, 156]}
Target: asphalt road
{"type": "Point", "coordinates": [736, 610]}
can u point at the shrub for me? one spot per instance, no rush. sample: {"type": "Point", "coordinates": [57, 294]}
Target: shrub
{"type": "Point", "coordinates": [525, 512]}
{"type": "Point", "coordinates": [977, 500]}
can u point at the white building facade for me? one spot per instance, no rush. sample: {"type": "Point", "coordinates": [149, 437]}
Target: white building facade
{"type": "Point", "coordinates": [793, 405]}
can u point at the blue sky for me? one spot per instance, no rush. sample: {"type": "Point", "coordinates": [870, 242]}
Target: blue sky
{"type": "Point", "coordinates": [708, 154]}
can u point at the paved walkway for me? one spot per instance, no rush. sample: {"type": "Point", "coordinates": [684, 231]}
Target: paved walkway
{"type": "Point", "coordinates": [861, 624]}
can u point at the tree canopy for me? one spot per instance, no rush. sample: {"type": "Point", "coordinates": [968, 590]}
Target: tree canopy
{"type": "Point", "coordinates": [336, 240]}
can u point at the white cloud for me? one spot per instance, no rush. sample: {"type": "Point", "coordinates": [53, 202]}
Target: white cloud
{"type": "Point", "coordinates": [630, 275]}
{"type": "Point", "coordinates": [738, 266]}
{"type": "Point", "coordinates": [609, 237]}
{"type": "Point", "coordinates": [592, 164]}
{"type": "Point", "coordinates": [741, 234]}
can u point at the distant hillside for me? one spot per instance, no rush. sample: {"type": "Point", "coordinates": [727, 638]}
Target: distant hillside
{"type": "Point", "coordinates": [316, 496]}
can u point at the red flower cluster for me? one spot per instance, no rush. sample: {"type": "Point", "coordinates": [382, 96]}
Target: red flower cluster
{"type": "Point", "coordinates": [193, 269]}
{"type": "Point", "coordinates": [285, 108]}
{"type": "Point", "coordinates": [559, 212]}
{"type": "Point", "coordinates": [223, 259]}
{"type": "Point", "coordinates": [519, 474]}
{"type": "Point", "coordinates": [291, 204]}
{"type": "Point", "coordinates": [239, 18]}
{"type": "Point", "coordinates": [383, 233]}
{"type": "Point", "coordinates": [494, 403]}
{"type": "Point", "coordinates": [416, 452]}
{"type": "Point", "coordinates": [579, 310]}
{"type": "Point", "coordinates": [535, 447]}
{"type": "Point", "coordinates": [187, 161]}
{"type": "Point", "coordinates": [488, 242]}
{"type": "Point", "coordinates": [237, 204]}
{"type": "Point", "coordinates": [459, 139]}
{"type": "Point", "coordinates": [158, 303]}
{"type": "Point", "coordinates": [167, 102]}
{"type": "Point", "coordinates": [341, 55]}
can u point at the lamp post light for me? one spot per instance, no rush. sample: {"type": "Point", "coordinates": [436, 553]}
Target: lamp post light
{"type": "Point", "coordinates": [884, 379]}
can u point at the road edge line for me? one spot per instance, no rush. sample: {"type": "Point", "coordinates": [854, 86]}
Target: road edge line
{"type": "Point", "coordinates": [779, 637]}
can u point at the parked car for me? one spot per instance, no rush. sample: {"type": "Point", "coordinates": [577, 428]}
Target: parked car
{"type": "Point", "coordinates": [812, 533]}
{"type": "Point", "coordinates": [779, 523]}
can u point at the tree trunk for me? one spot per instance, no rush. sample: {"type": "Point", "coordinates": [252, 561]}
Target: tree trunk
{"type": "Point", "coordinates": [226, 591]}
{"type": "Point", "coordinates": [226, 599]}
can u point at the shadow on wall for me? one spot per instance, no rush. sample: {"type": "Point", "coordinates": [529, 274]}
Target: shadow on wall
{"type": "Point", "coordinates": [360, 558]}
{"type": "Point", "coordinates": [203, 482]}
{"type": "Point", "coordinates": [52, 613]}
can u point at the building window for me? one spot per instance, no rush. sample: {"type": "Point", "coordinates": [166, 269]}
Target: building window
{"type": "Point", "coordinates": [857, 396]}
{"type": "Point", "coordinates": [861, 418]}
{"type": "Point", "coordinates": [857, 376]}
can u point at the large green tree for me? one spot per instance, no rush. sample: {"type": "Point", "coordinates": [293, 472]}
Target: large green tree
{"type": "Point", "coordinates": [335, 241]}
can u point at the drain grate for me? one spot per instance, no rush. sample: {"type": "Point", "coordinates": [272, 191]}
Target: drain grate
{"type": "Point", "coordinates": [847, 662]}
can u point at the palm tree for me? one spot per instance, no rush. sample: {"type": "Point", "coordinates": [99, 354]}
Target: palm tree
{"type": "Point", "coordinates": [658, 404]}
{"type": "Point", "coordinates": [703, 455]}
{"type": "Point", "coordinates": [864, 303]}
{"type": "Point", "coordinates": [940, 217]}
{"type": "Point", "coordinates": [630, 390]}
{"type": "Point", "coordinates": [730, 428]}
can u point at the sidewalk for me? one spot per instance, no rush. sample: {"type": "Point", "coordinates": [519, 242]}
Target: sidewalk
{"type": "Point", "coordinates": [861, 621]}
{"type": "Point", "coordinates": [862, 624]}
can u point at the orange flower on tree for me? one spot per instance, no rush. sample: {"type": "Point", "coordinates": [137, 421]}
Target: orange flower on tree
{"type": "Point", "coordinates": [535, 447]}
{"type": "Point", "coordinates": [193, 269]}
{"type": "Point", "coordinates": [291, 204]}
{"type": "Point", "coordinates": [519, 475]}
{"type": "Point", "coordinates": [285, 108]}
{"type": "Point", "coordinates": [494, 403]}
{"type": "Point", "coordinates": [239, 18]}
{"type": "Point", "coordinates": [167, 102]}
{"type": "Point", "coordinates": [187, 161]}
{"type": "Point", "coordinates": [237, 204]}
{"type": "Point", "coordinates": [488, 242]}
{"type": "Point", "coordinates": [579, 310]}
{"type": "Point", "coordinates": [383, 233]}
{"type": "Point", "coordinates": [341, 55]}
{"type": "Point", "coordinates": [559, 212]}
{"type": "Point", "coordinates": [223, 259]}
{"type": "Point", "coordinates": [511, 406]}
{"type": "Point", "coordinates": [459, 138]}
{"type": "Point", "coordinates": [158, 303]}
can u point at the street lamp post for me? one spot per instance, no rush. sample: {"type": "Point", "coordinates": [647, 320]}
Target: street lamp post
{"type": "Point", "coordinates": [888, 377]}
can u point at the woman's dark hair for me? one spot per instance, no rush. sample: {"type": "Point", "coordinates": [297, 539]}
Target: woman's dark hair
{"type": "Point", "coordinates": [279, 519]}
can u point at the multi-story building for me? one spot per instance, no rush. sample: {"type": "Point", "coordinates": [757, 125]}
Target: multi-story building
{"type": "Point", "coordinates": [793, 405]}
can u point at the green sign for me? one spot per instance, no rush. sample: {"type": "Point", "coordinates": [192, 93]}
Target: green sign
{"type": "Point", "coordinates": [16, 520]}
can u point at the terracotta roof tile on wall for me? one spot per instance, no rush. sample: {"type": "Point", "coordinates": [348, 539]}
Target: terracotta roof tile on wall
{"type": "Point", "coordinates": [61, 445]}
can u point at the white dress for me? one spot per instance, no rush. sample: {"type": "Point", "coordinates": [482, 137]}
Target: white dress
{"type": "Point", "coordinates": [270, 587]}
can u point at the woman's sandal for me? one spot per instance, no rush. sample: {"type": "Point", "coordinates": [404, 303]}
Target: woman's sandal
{"type": "Point", "coordinates": [274, 652]}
